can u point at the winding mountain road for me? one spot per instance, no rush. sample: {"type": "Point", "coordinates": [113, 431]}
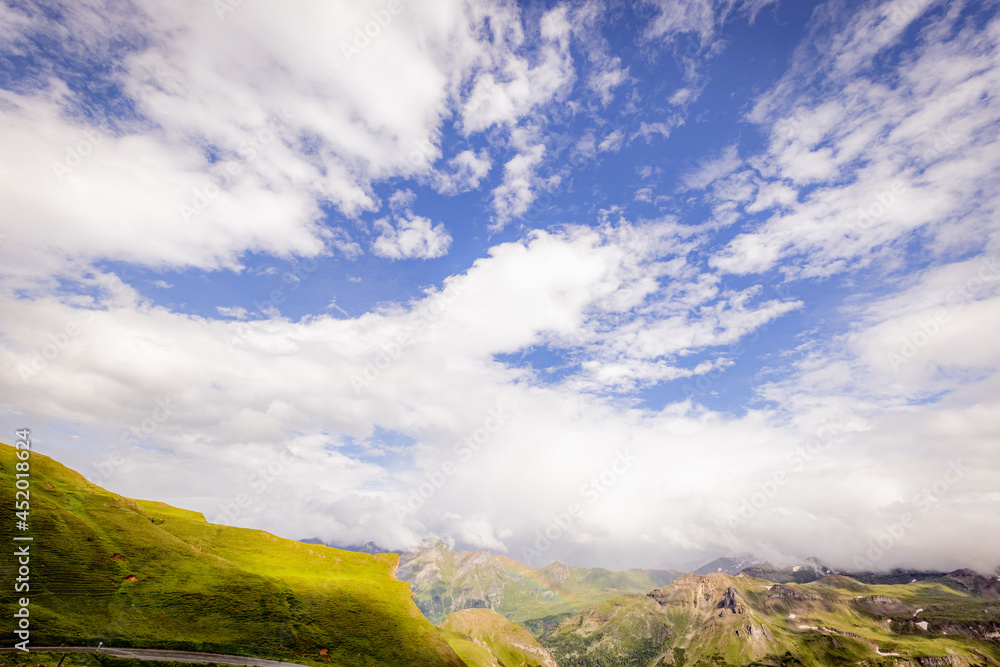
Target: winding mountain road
{"type": "Point", "coordinates": [163, 654]}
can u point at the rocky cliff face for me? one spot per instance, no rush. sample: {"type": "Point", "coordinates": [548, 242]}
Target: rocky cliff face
{"type": "Point", "coordinates": [730, 602]}
{"type": "Point", "coordinates": [699, 592]}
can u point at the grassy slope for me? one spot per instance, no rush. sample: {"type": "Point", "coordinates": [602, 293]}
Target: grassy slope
{"type": "Point", "coordinates": [484, 638]}
{"type": "Point", "coordinates": [627, 630]}
{"type": "Point", "coordinates": [201, 586]}
{"type": "Point", "coordinates": [686, 623]}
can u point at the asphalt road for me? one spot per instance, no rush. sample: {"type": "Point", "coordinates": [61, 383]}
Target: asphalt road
{"type": "Point", "coordinates": [161, 654]}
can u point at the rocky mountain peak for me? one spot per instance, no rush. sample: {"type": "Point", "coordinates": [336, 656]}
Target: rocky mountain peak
{"type": "Point", "coordinates": [731, 602]}
{"type": "Point", "coordinates": [434, 544]}
{"type": "Point", "coordinates": [555, 572]}
{"type": "Point", "coordinates": [987, 587]}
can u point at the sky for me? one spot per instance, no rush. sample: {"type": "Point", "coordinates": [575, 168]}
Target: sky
{"type": "Point", "coordinates": [622, 284]}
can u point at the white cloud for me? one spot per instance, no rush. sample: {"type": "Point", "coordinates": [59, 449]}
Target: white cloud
{"type": "Point", "coordinates": [613, 142]}
{"type": "Point", "coordinates": [409, 236]}
{"type": "Point", "coordinates": [402, 200]}
{"type": "Point", "coordinates": [685, 16]}
{"type": "Point", "coordinates": [235, 312]}
{"type": "Point", "coordinates": [918, 367]}
{"type": "Point", "coordinates": [853, 177]}
{"type": "Point", "coordinates": [467, 171]}
{"type": "Point", "coordinates": [683, 96]}
{"type": "Point", "coordinates": [514, 196]}
{"type": "Point", "coordinates": [702, 17]}
{"type": "Point", "coordinates": [606, 79]}
{"type": "Point", "coordinates": [624, 300]}
{"type": "Point", "coordinates": [243, 390]}
{"type": "Point", "coordinates": [709, 171]}
{"type": "Point", "coordinates": [105, 209]}
{"type": "Point", "coordinates": [587, 146]}
{"type": "Point", "coordinates": [606, 72]}
{"type": "Point", "coordinates": [289, 120]}
{"type": "Point", "coordinates": [693, 29]}
{"type": "Point", "coordinates": [662, 128]}
{"type": "Point", "coordinates": [516, 87]}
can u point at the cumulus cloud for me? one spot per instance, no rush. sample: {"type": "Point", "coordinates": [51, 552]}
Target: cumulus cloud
{"type": "Point", "coordinates": [330, 393]}
{"type": "Point", "coordinates": [411, 237]}
{"type": "Point", "coordinates": [544, 289]}
{"type": "Point", "coordinates": [467, 171]}
{"type": "Point", "coordinates": [520, 184]}
{"type": "Point", "coordinates": [195, 155]}
{"type": "Point", "coordinates": [517, 87]}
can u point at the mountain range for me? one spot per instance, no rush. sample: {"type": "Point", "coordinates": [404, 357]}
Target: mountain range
{"type": "Point", "coordinates": [140, 573]}
{"type": "Point", "coordinates": [729, 565]}
{"type": "Point", "coordinates": [719, 619]}
{"type": "Point", "coordinates": [445, 581]}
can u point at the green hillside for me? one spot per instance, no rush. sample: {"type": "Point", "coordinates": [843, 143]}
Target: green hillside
{"type": "Point", "coordinates": [445, 581]}
{"type": "Point", "coordinates": [484, 638]}
{"type": "Point", "coordinates": [718, 619]}
{"type": "Point", "coordinates": [137, 573]}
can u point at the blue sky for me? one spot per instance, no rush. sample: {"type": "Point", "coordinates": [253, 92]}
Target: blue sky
{"type": "Point", "coordinates": [693, 234]}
